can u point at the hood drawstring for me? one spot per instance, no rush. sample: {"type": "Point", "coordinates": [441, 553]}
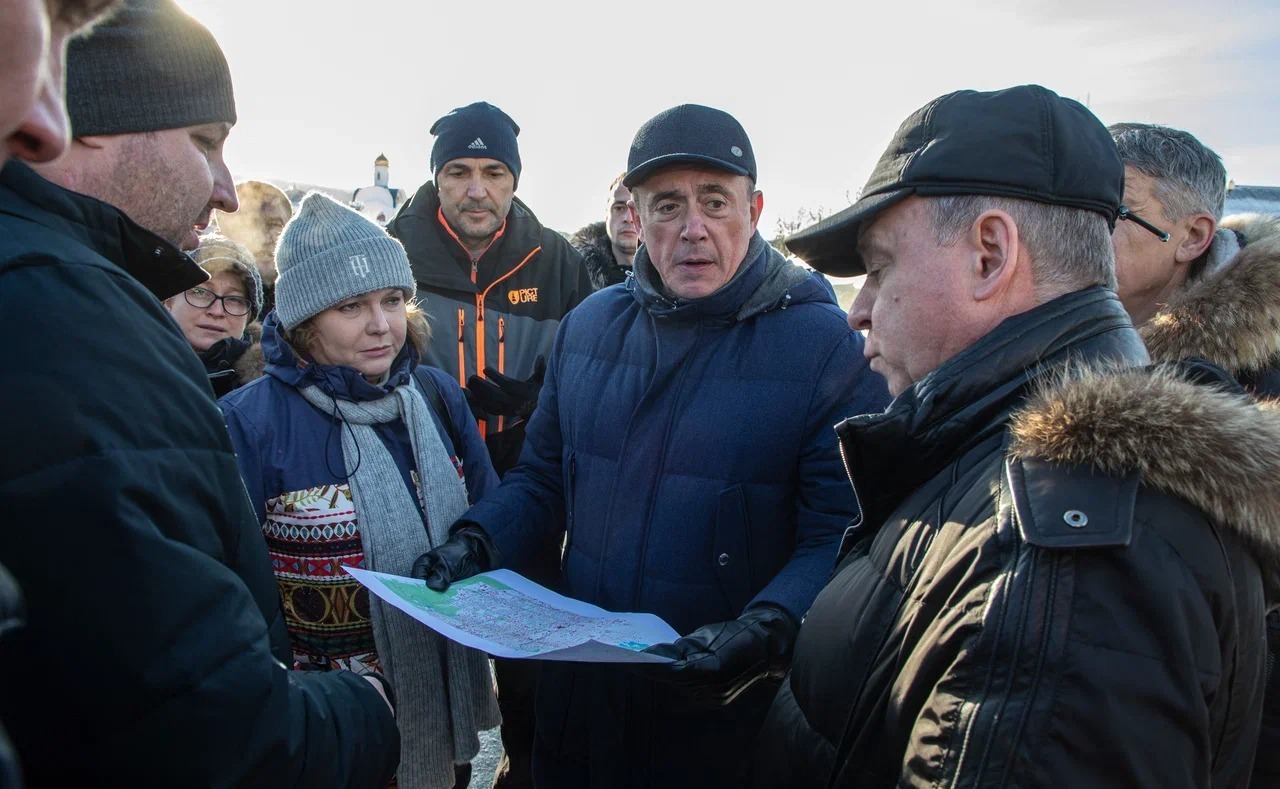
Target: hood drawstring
{"type": "Point", "coordinates": [336, 419]}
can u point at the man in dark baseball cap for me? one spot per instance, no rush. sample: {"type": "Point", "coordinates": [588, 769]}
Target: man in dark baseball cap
{"type": "Point", "coordinates": [710, 493]}
{"type": "Point", "coordinates": [1057, 578]}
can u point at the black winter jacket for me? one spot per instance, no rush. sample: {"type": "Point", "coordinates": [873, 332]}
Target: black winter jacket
{"type": "Point", "coordinates": [1061, 586]}
{"type": "Point", "coordinates": [11, 620]}
{"type": "Point", "coordinates": [593, 243]}
{"type": "Point", "coordinates": [154, 638]}
{"type": "Point", "coordinates": [1232, 319]}
{"type": "Point", "coordinates": [514, 296]}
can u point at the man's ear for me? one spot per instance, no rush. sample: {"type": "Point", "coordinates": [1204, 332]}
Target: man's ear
{"type": "Point", "coordinates": [995, 245]}
{"type": "Point", "coordinates": [635, 214]}
{"type": "Point", "coordinates": [1197, 235]}
{"type": "Point", "coordinates": [757, 206]}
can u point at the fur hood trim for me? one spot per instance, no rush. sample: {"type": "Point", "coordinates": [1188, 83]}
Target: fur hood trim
{"type": "Point", "coordinates": [590, 235]}
{"type": "Point", "coordinates": [251, 364]}
{"type": "Point", "coordinates": [1219, 451]}
{"type": "Point", "coordinates": [1233, 318]}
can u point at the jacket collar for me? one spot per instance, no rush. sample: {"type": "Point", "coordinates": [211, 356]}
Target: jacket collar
{"type": "Point", "coordinates": [1230, 317]}
{"type": "Point", "coordinates": [520, 234]}
{"type": "Point", "coordinates": [967, 400]}
{"type": "Point", "coordinates": [337, 381]}
{"type": "Point", "coordinates": [1210, 444]}
{"type": "Point", "coordinates": [160, 266]}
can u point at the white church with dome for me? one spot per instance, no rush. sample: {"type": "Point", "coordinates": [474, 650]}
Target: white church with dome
{"type": "Point", "coordinates": [378, 202]}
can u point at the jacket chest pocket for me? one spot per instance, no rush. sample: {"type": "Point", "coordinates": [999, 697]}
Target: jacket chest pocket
{"type": "Point", "coordinates": [731, 549]}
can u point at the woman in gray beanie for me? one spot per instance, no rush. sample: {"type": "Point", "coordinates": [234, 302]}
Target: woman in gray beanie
{"type": "Point", "coordinates": [349, 464]}
{"type": "Point", "coordinates": [219, 318]}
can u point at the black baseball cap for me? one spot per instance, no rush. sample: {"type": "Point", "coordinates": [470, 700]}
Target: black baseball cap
{"type": "Point", "coordinates": [690, 133]}
{"type": "Point", "coordinates": [1025, 142]}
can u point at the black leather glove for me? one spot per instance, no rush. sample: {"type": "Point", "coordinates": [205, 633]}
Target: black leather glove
{"type": "Point", "coordinates": [499, 395]}
{"type": "Point", "coordinates": [467, 551]}
{"type": "Point", "coordinates": [717, 662]}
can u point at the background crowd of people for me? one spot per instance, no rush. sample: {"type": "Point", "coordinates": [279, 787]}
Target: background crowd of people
{"type": "Point", "coordinates": [1013, 520]}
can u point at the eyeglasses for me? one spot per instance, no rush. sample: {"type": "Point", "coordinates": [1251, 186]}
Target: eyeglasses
{"type": "Point", "coordinates": [1125, 213]}
{"type": "Point", "coordinates": [234, 305]}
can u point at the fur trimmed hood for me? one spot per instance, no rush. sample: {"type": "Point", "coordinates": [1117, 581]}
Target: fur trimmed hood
{"type": "Point", "coordinates": [1218, 450]}
{"type": "Point", "coordinates": [251, 364]}
{"type": "Point", "coordinates": [1231, 318]}
{"type": "Point", "coordinates": [592, 242]}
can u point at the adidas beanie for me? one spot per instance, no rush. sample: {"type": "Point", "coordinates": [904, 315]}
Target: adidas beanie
{"type": "Point", "coordinates": [476, 131]}
{"type": "Point", "coordinates": [329, 253]}
{"type": "Point", "coordinates": [147, 67]}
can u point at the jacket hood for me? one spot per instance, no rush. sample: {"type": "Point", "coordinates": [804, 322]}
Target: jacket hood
{"type": "Point", "coordinates": [1230, 317]}
{"type": "Point", "coordinates": [765, 281]}
{"type": "Point", "coordinates": [252, 364]}
{"type": "Point", "coordinates": [339, 382]}
{"type": "Point", "coordinates": [161, 267]}
{"type": "Point", "coordinates": [1219, 450]}
{"type": "Point", "coordinates": [593, 243]}
{"type": "Point", "coordinates": [592, 235]}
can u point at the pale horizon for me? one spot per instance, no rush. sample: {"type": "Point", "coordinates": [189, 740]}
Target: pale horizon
{"type": "Point", "coordinates": [323, 89]}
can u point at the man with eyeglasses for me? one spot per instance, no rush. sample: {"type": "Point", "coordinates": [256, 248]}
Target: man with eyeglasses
{"type": "Point", "coordinates": [154, 643]}
{"type": "Point", "coordinates": [1206, 287]}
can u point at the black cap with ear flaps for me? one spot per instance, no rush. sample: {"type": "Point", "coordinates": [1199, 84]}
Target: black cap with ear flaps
{"type": "Point", "coordinates": [1023, 142]}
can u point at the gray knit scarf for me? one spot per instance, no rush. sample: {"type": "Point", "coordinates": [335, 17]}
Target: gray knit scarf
{"type": "Point", "coordinates": [444, 691]}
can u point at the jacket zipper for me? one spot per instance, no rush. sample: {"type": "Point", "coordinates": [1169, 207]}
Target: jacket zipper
{"type": "Point", "coordinates": [462, 347]}
{"type": "Point", "coordinates": [502, 361]}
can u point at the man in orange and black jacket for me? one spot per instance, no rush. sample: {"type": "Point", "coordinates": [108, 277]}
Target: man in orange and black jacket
{"type": "Point", "coordinates": [496, 284]}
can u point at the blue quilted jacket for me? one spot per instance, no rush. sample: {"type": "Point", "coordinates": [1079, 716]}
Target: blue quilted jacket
{"type": "Point", "coordinates": [687, 451]}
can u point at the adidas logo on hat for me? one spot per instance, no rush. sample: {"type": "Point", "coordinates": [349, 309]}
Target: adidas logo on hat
{"type": "Point", "coordinates": [478, 144]}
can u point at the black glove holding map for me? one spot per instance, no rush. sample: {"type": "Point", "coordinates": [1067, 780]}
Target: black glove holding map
{"type": "Point", "coordinates": [717, 662]}
{"type": "Point", "coordinates": [467, 551]}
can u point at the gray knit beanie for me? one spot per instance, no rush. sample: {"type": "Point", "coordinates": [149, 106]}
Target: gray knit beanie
{"type": "Point", "coordinates": [146, 68]}
{"type": "Point", "coordinates": [328, 253]}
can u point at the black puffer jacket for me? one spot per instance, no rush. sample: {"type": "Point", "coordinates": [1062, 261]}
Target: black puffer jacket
{"type": "Point", "coordinates": [1053, 587]}
{"type": "Point", "coordinates": [1232, 319]}
{"type": "Point", "coordinates": [154, 638]}
{"type": "Point", "coordinates": [593, 243]}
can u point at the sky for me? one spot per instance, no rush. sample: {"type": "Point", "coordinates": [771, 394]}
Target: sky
{"type": "Point", "coordinates": [322, 88]}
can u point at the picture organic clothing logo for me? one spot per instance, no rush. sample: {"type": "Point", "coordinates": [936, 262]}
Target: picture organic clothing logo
{"type": "Point", "coordinates": [523, 296]}
{"type": "Point", "coordinates": [360, 265]}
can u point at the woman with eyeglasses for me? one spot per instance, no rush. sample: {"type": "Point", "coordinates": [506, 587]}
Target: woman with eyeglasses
{"type": "Point", "coordinates": [219, 317]}
{"type": "Point", "coordinates": [354, 455]}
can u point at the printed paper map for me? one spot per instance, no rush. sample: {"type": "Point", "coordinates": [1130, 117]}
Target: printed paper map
{"type": "Point", "coordinates": [507, 615]}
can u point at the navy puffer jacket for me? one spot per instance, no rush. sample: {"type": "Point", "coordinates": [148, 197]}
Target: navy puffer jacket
{"type": "Point", "coordinates": [688, 451]}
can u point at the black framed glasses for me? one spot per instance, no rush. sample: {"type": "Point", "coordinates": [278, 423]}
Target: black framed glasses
{"type": "Point", "coordinates": [234, 305]}
{"type": "Point", "coordinates": [1128, 215]}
